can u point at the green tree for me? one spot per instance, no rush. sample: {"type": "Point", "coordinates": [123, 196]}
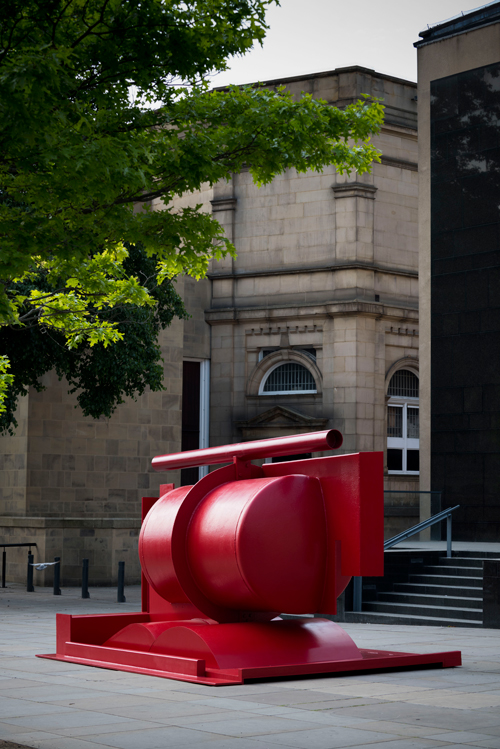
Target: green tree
{"type": "Point", "coordinates": [101, 376]}
{"type": "Point", "coordinates": [77, 154]}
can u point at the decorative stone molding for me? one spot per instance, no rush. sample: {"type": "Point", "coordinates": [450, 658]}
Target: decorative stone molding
{"type": "Point", "coordinates": [406, 362]}
{"type": "Point", "coordinates": [302, 269]}
{"type": "Point", "coordinates": [279, 419]}
{"type": "Point", "coordinates": [400, 163]}
{"type": "Point", "coordinates": [223, 204]}
{"type": "Point", "coordinates": [401, 331]}
{"type": "Point", "coordinates": [281, 357]}
{"type": "Point", "coordinates": [256, 315]}
{"type": "Point", "coordinates": [354, 190]}
{"type": "Point", "coordinates": [289, 329]}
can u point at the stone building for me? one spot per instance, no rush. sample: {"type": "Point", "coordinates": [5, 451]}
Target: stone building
{"type": "Point", "coordinates": [307, 327]}
{"type": "Point", "coordinates": [459, 214]}
{"type": "Point", "coordinates": [314, 325]}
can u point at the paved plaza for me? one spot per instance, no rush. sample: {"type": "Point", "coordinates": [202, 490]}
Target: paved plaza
{"type": "Point", "coordinates": [54, 705]}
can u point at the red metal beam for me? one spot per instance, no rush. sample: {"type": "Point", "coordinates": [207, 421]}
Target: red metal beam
{"type": "Point", "coordinates": [330, 439]}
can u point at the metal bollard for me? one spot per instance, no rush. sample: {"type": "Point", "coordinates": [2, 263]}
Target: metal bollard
{"type": "Point", "coordinates": [4, 565]}
{"type": "Point", "coordinates": [121, 582]}
{"type": "Point", "coordinates": [29, 580]}
{"type": "Point", "coordinates": [57, 576]}
{"type": "Point", "coordinates": [357, 594]}
{"type": "Point", "coordinates": [85, 578]}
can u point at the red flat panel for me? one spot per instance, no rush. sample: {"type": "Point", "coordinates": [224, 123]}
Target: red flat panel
{"type": "Point", "coordinates": [353, 491]}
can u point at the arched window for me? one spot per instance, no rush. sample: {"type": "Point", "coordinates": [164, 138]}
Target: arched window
{"type": "Point", "coordinates": [288, 378]}
{"type": "Point", "coordinates": [402, 423]}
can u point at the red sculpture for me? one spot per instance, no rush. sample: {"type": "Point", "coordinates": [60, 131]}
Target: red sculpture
{"type": "Point", "coordinates": [223, 558]}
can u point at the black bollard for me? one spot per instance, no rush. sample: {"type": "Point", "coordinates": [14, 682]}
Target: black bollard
{"type": "Point", "coordinates": [85, 578]}
{"type": "Point", "coordinates": [29, 580]}
{"type": "Point", "coordinates": [57, 576]}
{"type": "Point", "coordinates": [4, 565]}
{"type": "Point", "coordinates": [121, 582]}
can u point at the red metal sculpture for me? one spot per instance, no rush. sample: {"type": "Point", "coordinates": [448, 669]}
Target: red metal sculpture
{"type": "Point", "coordinates": [223, 558]}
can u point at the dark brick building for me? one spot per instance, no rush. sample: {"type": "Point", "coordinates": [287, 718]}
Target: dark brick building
{"type": "Point", "coordinates": [459, 98]}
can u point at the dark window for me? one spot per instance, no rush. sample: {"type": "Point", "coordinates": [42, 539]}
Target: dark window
{"type": "Point", "coordinates": [289, 378]}
{"type": "Point", "coordinates": [394, 459]}
{"type": "Point", "coordinates": [403, 384]}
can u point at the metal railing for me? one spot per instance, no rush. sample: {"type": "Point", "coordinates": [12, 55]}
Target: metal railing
{"type": "Point", "coordinates": [29, 583]}
{"type": "Point", "coordinates": [357, 602]}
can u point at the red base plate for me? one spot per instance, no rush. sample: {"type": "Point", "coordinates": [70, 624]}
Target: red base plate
{"type": "Point", "coordinates": [371, 660]}
{"type": "Point", "coordinates": [197, 651]}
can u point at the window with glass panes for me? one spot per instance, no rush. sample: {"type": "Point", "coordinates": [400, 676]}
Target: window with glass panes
{"type": "Point", "coordinates": [288, 378]}
{"type": "Point", "coordinates": [402, 423]}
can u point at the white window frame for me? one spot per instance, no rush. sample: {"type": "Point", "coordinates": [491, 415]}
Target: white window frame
{"type": "Point", "coordinates": [204, 411]}
{"type": "Point", "coordinates": [403, 443]}
{"type": "Point", "coordinates": [286, 392]}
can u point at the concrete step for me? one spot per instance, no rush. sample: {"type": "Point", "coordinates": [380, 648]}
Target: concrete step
{"type": "Point", "coordinates": [477, 554]}
{"type": "Point", "coordinates": [462, 562]}
{"type": "Point", "coordinates": [444, 569]}
{"type": "Point", "coordinates": [438, 590]}
{"type": "Point", "coordinates": [428, 611]}
{"type": "Point", "coordinates": [420, 599]}
{"type": "Point", "coordinates": [452, 580]}
{"type": "Point", "coordinates": [374, 617]}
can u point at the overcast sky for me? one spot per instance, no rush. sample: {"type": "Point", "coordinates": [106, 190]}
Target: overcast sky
{"type": "Point", "coordinates": [309, 36]}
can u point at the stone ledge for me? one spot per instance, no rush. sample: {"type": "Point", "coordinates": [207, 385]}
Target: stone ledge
{"type": "Point", "coordinates": [299, 269]}
{"type": "Point", "coordinates": [400, 163]}
{"type": "Point", "coordinates": [354, 190]}
{"type": "Point", "coordinates": [94, 523]}
{"type": "Point", "coordinates": [227, 315]}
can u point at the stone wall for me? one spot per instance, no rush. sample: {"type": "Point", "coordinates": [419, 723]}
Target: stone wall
{"type": "Point", "coordinates": [326, 262]}
{"type": "Point", "coordinates": [78, 490]}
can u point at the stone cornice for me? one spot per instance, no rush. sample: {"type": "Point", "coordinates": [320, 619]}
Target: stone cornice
{"type": "Point", "coordinates": [401, 163]}
{"type": "Point", "coordinates": [354, 190]}
{"type": "Point", "coordinates": [223, 204]}
{"type": "Point", "coordinates": [405, 132]}
{"type": "Point", "coordinates": [403, 315]}
{"type": "Point", "coordinates": [353, 265]}
{"type": "Point", "coordinates": [57, 522]}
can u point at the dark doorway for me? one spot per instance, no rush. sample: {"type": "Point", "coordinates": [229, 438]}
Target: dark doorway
{"type": "Point", "coordinates": [190, 416]}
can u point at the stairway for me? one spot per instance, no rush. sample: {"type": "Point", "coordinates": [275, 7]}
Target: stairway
{"type": "Point", "coordinates": [446, 594]}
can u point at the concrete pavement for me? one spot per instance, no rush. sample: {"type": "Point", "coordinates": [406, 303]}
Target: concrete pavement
{"type": "Point", "coordinates": [55, 705]}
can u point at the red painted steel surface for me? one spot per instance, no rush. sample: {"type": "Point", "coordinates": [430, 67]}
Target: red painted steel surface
{"type": "Point", "coordinates": [330, 439]}
{"type": "Point", "coordinates": [221, 559]}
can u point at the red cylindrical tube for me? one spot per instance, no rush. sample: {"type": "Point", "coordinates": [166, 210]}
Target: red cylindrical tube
{"type": "Point", "coordinates": [330, 439]}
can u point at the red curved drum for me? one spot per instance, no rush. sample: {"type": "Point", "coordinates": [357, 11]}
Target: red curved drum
{"type": "Point", "coordinates": [256, 545]}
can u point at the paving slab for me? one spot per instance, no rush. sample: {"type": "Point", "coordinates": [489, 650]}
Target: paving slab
{"type": "Point", "coordinates": [51, 705]}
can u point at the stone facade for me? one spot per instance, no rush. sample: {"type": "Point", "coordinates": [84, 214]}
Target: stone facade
{"type": "Point", "coordinates": [325, 277]}
{"type": "Point", "coordinates": [73, 484]}
{"type": "Point", "coordinates": [326, 263]}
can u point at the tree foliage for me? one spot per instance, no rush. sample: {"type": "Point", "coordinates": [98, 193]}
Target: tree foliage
{"type": "Point", "coordinates": [77, 153]}
{"type": "Point", "coordinates": [101, 376]}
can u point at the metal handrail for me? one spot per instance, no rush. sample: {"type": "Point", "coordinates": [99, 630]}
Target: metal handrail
{"type": "Point", "coordinates": [422, 526]}
{"type": "Point", "coordinates": [4, 561]}
{"type": "Point", "coordinates": [357, 602]}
